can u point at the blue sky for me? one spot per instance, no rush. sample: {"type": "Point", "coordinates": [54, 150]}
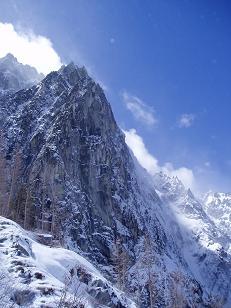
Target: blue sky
{"type": "Point", "coordinates": [165, 65]}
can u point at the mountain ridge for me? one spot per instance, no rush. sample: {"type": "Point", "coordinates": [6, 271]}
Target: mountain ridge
{"type": "Point", "coordinates": [77, 180]}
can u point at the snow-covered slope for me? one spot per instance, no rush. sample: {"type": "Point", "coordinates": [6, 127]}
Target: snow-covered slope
{"type": "Point", "coordinates": [205, 247]}
{"type": "Point", "coordinates": [35, 275]}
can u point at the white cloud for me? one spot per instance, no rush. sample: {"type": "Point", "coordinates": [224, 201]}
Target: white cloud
{"type": "Point", "coordinates": [151, 164]}
{"type": "Point", "coordinates": [139, 109]}
{"type": "Point", "coordinates": [186, 120]}
{"type": "Point", "coordinates": [136, 144]}
{"type": "Point", "coordinates": [29, 48]}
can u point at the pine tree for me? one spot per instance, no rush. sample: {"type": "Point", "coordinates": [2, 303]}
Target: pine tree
{"type": "Point", "coordinates": [3, 179]}
{"type": "Point", "coordinates": [54, 228]}
{"type": "Point", "coordinates": [26, 207]}
{"type": "Point", "coordinates": [14, 184]}
{"type": "Point", "coordinates": [148, 262]}
{"type": "Point", "coordinates": [178, 299]}
{"type": "Point", "coordinates": [121, 263]}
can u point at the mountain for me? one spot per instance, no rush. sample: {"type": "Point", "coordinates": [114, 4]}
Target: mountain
{"type": "Point", "coordinates": [205, 247]}
{"type": "Point", "coordinates": [218, 208]}
{"type": "Point", "coordinates": [15, 76]}
{"type": "Point", "coordinates": [67, 171]}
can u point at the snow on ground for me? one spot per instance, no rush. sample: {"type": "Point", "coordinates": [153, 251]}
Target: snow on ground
{"type": "Point", "coordinates": [35, 275]}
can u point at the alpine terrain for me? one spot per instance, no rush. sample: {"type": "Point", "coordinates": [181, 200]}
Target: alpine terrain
{"type": "Point", "coordinates": [83, 224]}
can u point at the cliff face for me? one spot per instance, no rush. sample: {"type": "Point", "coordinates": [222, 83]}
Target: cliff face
{"type": "Point", "coordinates": [69, 172]}
{"type": "Point", "coordinates": [74, 161]}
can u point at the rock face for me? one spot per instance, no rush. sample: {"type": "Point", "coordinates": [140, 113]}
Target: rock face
{"type": "Point", "coordinates": [71, 173]}
{"type": "Point", "coordinates": [218, 208]}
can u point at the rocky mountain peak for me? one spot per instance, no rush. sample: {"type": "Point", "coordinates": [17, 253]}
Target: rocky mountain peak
{"type": "Point", "coordinates": [73, 74]}
{"type": "Point", "coordinates": [217, 205]}
{"type": "Point", "coordinates": [168, 184]}
{"type": "Point", "coordinates": [15, 76]}
{"type": "Point", "coordinates": [9, 58]}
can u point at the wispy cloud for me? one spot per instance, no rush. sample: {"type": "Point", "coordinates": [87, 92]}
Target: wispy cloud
{"type": "Point", "coordinates": [150, 162]}
{"type": "Point", "coordinates": [136, 144]}
{"type": "Point", "coordinates": [29, 48]}
{"type": "Point", "coordinates": [140, 110]}
{"type": "Point", "coordinates": [186, 120]}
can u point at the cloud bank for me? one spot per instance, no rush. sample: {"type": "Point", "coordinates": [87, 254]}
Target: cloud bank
{"type": "Point", "coordinates": [151, 164]}
{"type": "Point", "coordinates": [29, 48]}
{"type": "Point", "coordinates": [141, 111]}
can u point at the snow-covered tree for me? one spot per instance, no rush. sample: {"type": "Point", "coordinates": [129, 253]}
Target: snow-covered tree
{"type": "Point", "coordinates": [71, 292]}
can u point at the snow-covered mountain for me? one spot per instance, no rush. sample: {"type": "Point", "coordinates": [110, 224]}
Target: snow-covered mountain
{"type": "Point", "coordinates": [205, 247]}
{"type": "Point", "coordinates": [67, 171]}
{"type": "Point", "coordinates": [218, 208]}
{"type": "Point", "coordinates": [15, 76]}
